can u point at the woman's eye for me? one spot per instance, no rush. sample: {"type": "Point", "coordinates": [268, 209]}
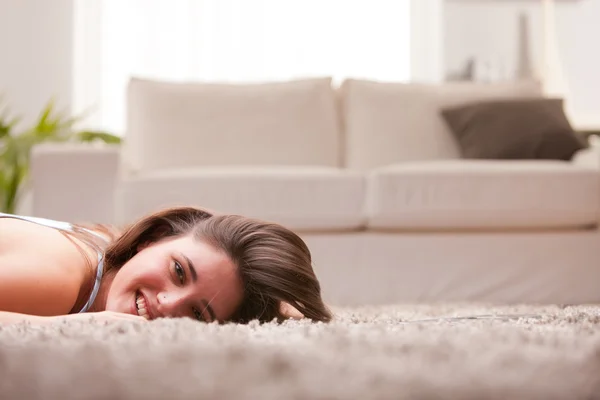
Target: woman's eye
{"type": "Point", "coordinates": [180, 272]}
{"type": "Point", "coordinates": [198, 315]}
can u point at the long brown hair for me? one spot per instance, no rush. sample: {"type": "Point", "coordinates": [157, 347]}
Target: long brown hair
{"type": "Point", "coordinates": [273, 263]}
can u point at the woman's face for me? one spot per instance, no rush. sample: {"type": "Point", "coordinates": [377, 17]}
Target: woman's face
{"type": "Point", "coordinates": [177, 277]}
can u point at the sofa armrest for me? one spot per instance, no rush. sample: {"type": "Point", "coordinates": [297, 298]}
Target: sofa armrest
{"type": "Point", "coordinates": [74, 181]}
{"type": "Point", "coordinates": [589, 157]}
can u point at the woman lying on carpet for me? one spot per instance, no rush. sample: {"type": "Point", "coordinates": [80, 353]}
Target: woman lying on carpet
{"type": "Point", "coordinates": [180, 262]}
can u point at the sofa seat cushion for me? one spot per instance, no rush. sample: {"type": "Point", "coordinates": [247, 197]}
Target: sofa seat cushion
{"type": "Point", "coordinates": [483, 194]}
{"type": "Point", "coordinates": [301, 198]}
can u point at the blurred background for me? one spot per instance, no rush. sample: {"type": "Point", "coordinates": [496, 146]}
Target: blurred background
{"type": "Point", "coordinates": [82, 52]}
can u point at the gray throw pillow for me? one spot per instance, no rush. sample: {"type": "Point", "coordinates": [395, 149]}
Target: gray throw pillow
{"type": "Point", "coordinates": [513, 129]}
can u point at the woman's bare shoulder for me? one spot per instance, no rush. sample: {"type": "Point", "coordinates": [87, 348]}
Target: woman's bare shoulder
{"type": "Point", "coordinates": [41, 271]}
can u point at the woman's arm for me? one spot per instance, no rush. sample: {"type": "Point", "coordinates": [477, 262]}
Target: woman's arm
{"type": "Point", "coordinates": [9, 318]}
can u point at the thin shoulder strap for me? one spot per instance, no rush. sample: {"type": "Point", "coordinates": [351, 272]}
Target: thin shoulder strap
{"type": "Point", "coordinates": [70, 228]}
{"type": "Point", "coordinates": [64, 226]}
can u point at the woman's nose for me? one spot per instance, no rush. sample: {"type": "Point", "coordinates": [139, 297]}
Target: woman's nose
{"type": "Point", "coordinates": [171, 304]}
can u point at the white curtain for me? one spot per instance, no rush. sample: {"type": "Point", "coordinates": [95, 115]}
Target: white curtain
{"type": "Point", "coordinates": [230, 41]}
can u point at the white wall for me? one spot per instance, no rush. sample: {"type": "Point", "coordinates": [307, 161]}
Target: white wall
{"type": "Point", "coordinates": [35, 60]}
{"type": "Point", "coordinates": [35, 54]}
{"type": "Point", "coordinates": [488, 29]}
{"type": "Point", "coordinates": [426, 48]}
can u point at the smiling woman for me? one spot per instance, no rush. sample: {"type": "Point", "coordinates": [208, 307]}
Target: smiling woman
{"type": "Point", "coordinates": [177, 263]}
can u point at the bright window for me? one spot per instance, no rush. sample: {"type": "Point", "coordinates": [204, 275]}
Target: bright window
{"type": "Point", "coordinates": [231, 41]}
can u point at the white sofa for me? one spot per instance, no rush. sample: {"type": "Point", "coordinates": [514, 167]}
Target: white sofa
{"type": "Point", "coordinates": [368, 173]}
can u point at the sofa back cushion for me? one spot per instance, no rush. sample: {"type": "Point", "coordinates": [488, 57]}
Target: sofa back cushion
{"type": "Point", "coordinates": [389, 122]}
{"type": "Point", "coordinates": [174, 125]}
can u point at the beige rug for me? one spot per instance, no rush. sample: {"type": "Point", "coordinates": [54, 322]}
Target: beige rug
{"type": "Point", "coordinates": [366, 353]}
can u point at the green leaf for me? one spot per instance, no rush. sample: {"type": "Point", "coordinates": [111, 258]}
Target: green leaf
{"type": "Point", "coordinates": [7, 123]}
{"type": "Point", "coordinates": [10, 161]}
{"type": "Point", "coordinates": [6, 126]}
{"type": "Point", "coordinates": [89, 136]}
{"type": "Point", "coordinates": [53, 125]}
{"type": "Point", "coordinates": [17, 177]}
{"type": "Point", "coordinates": [45, 115]}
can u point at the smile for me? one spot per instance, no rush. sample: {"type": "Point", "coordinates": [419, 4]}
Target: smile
{"type": "Point", "coordinates": [140, 304]}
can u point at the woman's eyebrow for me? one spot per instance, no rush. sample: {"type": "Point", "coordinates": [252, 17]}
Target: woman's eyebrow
{"type": "Point", "coordinates": [191, 267]}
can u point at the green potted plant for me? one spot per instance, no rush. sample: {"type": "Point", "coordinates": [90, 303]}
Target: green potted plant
{"type": "Point", "coordinates": [16, 145]}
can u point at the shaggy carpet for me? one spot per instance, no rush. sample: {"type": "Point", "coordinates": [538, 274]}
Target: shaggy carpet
{"type": "Point", "coordinates": [395, 352]}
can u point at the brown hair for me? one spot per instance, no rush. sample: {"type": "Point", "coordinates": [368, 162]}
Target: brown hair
{"type": "Point", "coordinates": [274, 264]}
